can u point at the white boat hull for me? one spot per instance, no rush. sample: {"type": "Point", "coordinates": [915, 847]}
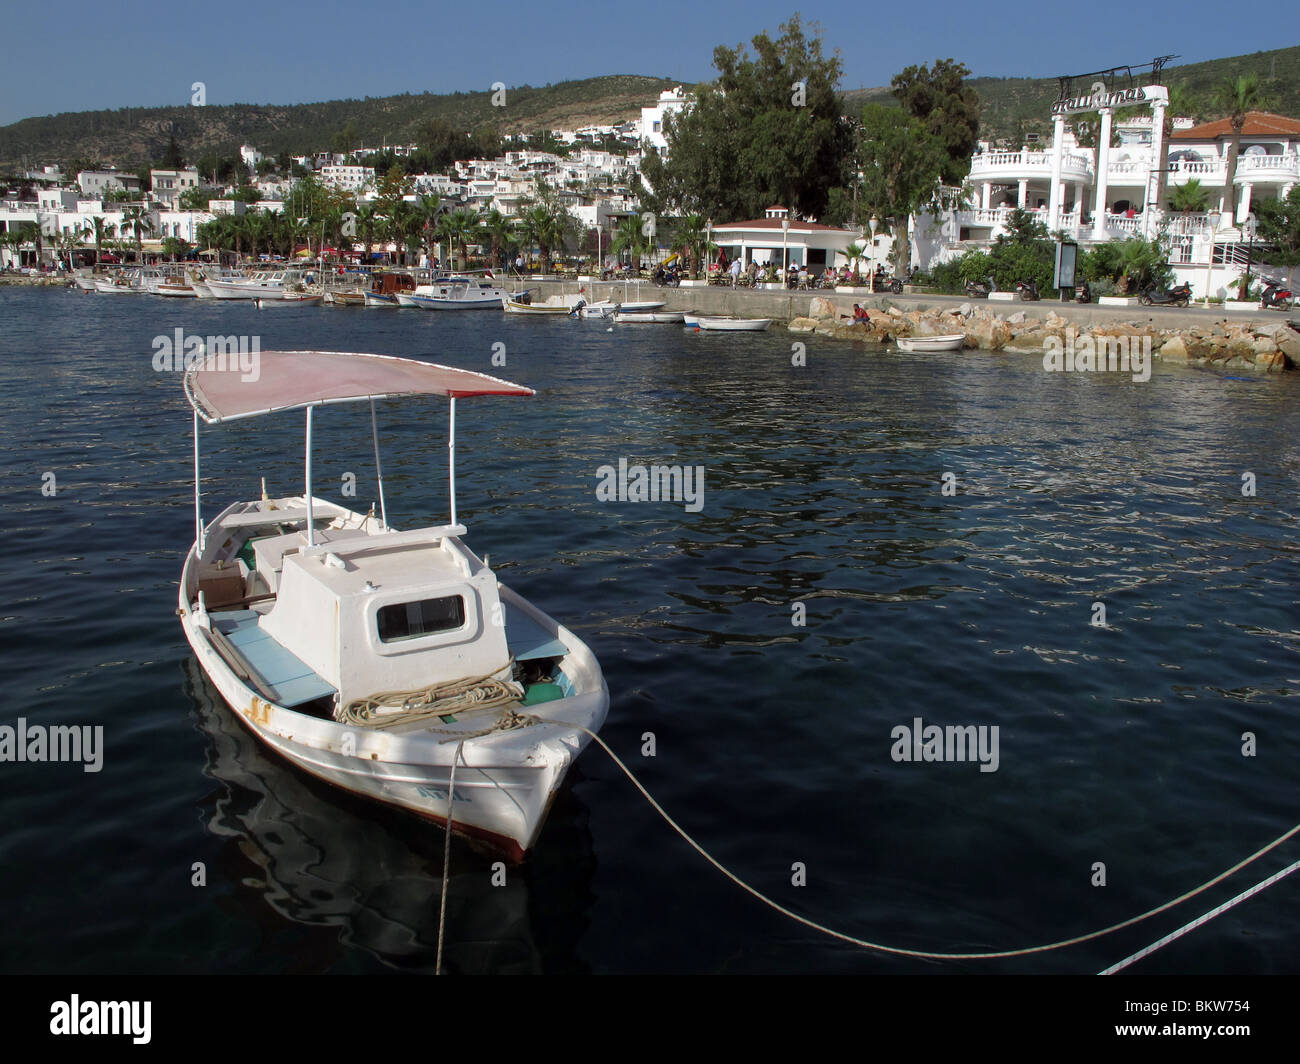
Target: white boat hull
{"type": "Point", "coordinates": [649, 317]}
{"type": "Point", "coordinates": [951, 342]}
{"type": "Point", "coordinates": [733, 324]}
{"type": "Point", "coordinates": [505, 781]}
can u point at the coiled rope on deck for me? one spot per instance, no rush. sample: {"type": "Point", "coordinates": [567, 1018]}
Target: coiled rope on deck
{"type": "Point", "coordinates": [935, 955]}
{"type": "Point", "coordinates": [388, 709]}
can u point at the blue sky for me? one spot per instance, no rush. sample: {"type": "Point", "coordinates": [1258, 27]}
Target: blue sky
{"type": "Point", "coordinates": [75, 55]}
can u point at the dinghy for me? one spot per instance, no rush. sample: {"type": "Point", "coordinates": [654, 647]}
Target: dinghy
{"type": "Point", "coordinates": [648, 317]}
{"type": "Point", "coordinates": [289, 299]}
{"type": "Point", "coordinates": [555, 305]}
{"type": "Point", "coordinates": [732, 324]}
{"type": "Point", "coordinates": [392, 664]}
{"type": "Point", "coordinates": [948, 342]}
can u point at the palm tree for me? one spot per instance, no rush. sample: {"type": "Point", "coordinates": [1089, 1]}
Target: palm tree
{"type": "Point", "coordinates": [628, 237]}
{"type": "Point", "coordinates": [101, 228]}
{"type": "Point", "coordinates": [1182, 104]}
{"type": "Point", "coordinates": [498, 232]}
{"type": "Point", "coordinates": [458, 228]}
{"type": "Point", "coordinates": [135, 220]}
{"type": "Point", "coordinates": [68, 242]}
{"type": "Point", "coordinates": [367, 222]}
{"type": "Point", "coordinates": [1188, 197]}
{"type": "Point", "coordinates": [693, 232]}
{"type": "Point", "coordinates": [1235, 97]}
{"type": "Point", "coordinates": [854, 253]}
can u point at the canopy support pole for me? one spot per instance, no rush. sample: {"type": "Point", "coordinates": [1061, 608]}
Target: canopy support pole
{"type": "Point", "coordinates": [379, 469]}
{"type": "Point", "coordinates": [451, 456]}
{"type": "Point", "coordinates": [199, 538]}
{"type": "Point", "coordinates": [311, 521]}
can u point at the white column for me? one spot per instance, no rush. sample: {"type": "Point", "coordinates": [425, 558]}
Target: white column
{"type": "Point", "coordinates": [986, 192]}
{"type": "Point", "coordinates": [1243, 208]}
{"type": "Point", "coordinates": [1151, 204]}
{"type": "Point", "coordinates": [1022, 195]}
{"type": "Point", "coordinates": [1054, 202]}
{"type": "Point", "coordinates": [1103, 163]}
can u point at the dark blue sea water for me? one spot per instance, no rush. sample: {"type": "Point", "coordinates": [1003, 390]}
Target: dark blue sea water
{"type": "Point", "coordinates": [1120, 745]}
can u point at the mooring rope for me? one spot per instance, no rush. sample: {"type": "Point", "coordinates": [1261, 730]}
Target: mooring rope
{"type": "Point", "coordinates": [931, 954]}
{"type": "Point", "coordinates": [388, 709]}
{"type": "Point", "coordinates": [446, 860]}
{"type": "Point", "coordinates": [1200, 920]}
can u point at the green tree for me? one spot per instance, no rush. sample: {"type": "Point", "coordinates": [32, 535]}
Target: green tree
{"type": "Point", "coordinates": [692, 236]}
{"type": "Point", "coordinates": [1189, 196]}
{"type": "Point", "coordinates": [459, 228]}
{"type": "Point", "coordinates": [948, 108]}
{"type": "Point", "coordinates": [767, 130]}
{"type": "Point", "coordinates": [1279, 225]}
{"type": "Point", "coordinates": [101, 229]}
{"type": "Point", "coordinates": [902, 170]}
{"type": "Point", "coordinates": [172, 159]}
{"type": "Point", "coordinates": [498, 232]}
{"type": "Point", "coordinates": [1234, 97]}
{"type": "Point", "coordinates": [136, 222]}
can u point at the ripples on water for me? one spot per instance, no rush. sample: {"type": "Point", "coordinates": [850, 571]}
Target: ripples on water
{"type": "Point", "coordinates": [823, 485]}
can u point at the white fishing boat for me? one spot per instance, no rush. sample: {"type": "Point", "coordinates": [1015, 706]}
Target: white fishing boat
{"type": "Point", "coordinates": [123, 282]}
{"type": "Point", "coordinates": [712, 324]}
{"type": "Point", "coordinates": [460, 293]}
{"type": "Point", "coordinates": [648, 317]}
{"type": "Point", "coordinates": [554, 305]}
{"type": "Point", "coordinates": [263, 283]}
{"type": "Point", "coordinates": [176, 288]}
{"type": "Point", "coordinates": [947, 342]}
{"type": "Point", "coordinates": [691, 319]}
{"type": "Point", "coordinates": [84, 279]}
{"type": "Point", "coordinates": [392, 664]}
{"type": "Point", "coordinates": [289, 299]}
{"type": "Point", "coordinates": [607, 309]}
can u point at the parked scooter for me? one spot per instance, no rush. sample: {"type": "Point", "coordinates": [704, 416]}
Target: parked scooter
{"type": "Point", "coordinates": [1083, 294]}
{"type": "Point", "coordinates": [980, 289]}
{"type": "Point", "coordinates": [1178, 296]}
{"type": "Point", "coordinates": [1027, 290]}
{"type": "Point", "coordinates": [666, 278]}
{"type": "Point", "coordinates": [1276, 297]}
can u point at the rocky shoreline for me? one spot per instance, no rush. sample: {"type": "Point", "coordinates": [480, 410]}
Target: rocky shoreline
{"type": "Point", "coordinates": [1264, 346]}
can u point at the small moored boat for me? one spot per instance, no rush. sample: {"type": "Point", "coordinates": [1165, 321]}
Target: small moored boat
{"type": "Point", "coordinates": [289, 299]}
{"type": "Point", "coordinates": [392, 664]}
{"type": "Point", "coordinates": [948, 342]}
{"type": "Point", "coordinates": [723, 324]}
{"type": "Point", "coordinates": [648, 317]}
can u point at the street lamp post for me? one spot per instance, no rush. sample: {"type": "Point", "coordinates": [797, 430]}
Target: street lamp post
{"type": "Point", "coordinates": [871, 274]}
{"type": "Point", "coordinates": [1249, 226]}
{"type": "Point", "coordinates": [1213, 218]}
{"type": "Point", "coordinates": [785, 254]}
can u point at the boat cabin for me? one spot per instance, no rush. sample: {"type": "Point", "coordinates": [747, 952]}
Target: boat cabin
{"type": "Point", "coordinates": [390, 283]}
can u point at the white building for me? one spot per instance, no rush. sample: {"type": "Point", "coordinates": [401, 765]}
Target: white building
{"type": "Point", "coordinates": [97, 182]}
{"type": "Point", "coordinates": [348, 177]}
{"type": "Point", "coordinates": [251, 157]}
{"type": "Point", "coordinates": [777, 239]}
{"type": "Point", "coordinates": [671, 101]}
{"type": "Point", "coordinates": [169, 184]}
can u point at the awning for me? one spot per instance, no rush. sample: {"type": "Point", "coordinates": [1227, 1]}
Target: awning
{"type": "Point", "coordinates": [221, 389]}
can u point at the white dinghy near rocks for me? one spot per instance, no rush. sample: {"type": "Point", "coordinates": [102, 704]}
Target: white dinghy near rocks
{"type": "Point", "coordinates": [392, 664]}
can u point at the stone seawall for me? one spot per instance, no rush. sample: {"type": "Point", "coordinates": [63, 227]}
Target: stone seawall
{"type": "Point", "coordinates": [1258, 340]}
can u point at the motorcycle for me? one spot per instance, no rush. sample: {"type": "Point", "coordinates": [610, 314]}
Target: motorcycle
{"type": "Point", "coordinates": [1276, 297]}
{"type": "Point", "coordinates": [1083, 294]}
{"type": "Point", "coordinates": [669, 278]}
{"type": "Point", "coordinates": [1178, 296]}
{"type": "Point", "coordinates": [1027, 290]}
{"type": "Point", "coordinates": [980, 289]}
{"type": "Point", "coordinates": [881, 283]}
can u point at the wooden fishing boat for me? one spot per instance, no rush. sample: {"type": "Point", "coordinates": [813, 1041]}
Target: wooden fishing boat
{"type": "Point", "coordinates": [392, 664]}
{"type": "Point", "coordinates": [555, 305]}
{"type": "Point", "coordinates": [289, 299]}
{"type": "Point", "coordinates": [385, 288]}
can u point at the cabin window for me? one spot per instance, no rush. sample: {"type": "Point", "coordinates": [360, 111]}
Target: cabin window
{"type": "Point", "coordinates": [409, 620]}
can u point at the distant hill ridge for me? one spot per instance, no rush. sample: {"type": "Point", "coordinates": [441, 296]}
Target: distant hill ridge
{"type": "Point", "coordinates": [132, 136]}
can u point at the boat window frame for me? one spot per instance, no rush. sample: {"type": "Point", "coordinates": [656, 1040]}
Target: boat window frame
{"type": "Point", "coordinates": [469, 631]}
{"type": "Point", "coordinates": [408, 603]}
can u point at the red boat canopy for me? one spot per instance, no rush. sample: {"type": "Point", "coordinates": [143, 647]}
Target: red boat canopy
{"type": "Point", "coordinates": [224, 387]}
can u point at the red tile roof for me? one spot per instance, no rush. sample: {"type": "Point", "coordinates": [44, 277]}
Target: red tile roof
{"type": "Point", "coordinates": [1258, 124]}
{"type": "Point", "coordinates": [775, 223]}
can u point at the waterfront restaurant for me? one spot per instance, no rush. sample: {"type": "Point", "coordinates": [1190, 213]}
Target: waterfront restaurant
{"type": "Point", "coordinates": [776, 238]}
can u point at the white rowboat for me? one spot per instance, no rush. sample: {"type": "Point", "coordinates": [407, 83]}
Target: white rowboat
{"type": "Point", "coordinates": [949, 342]}
{"type": "Point", "coordinates": [733, 324]}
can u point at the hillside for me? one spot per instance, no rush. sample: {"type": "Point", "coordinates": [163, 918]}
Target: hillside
{"type": "Point", "coordinates": [133, 136]}
{"type": "Point", "coordinates": [1015, 106]}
